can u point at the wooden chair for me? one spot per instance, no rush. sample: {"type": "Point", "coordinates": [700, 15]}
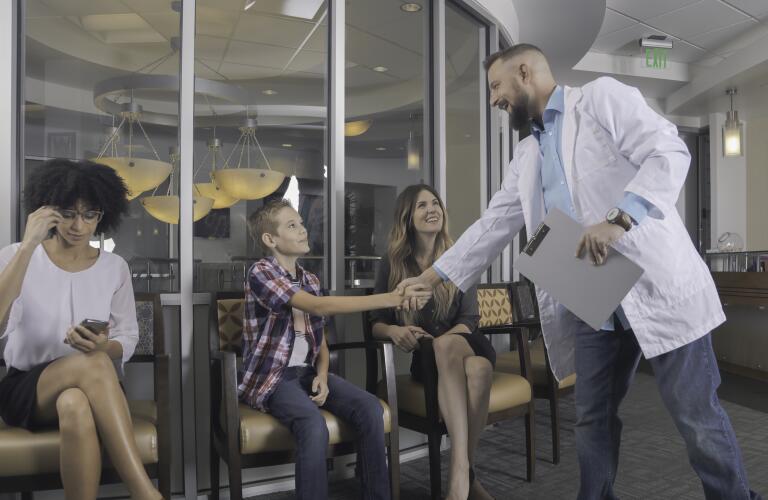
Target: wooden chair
{"type": "Point", "coordinates": [29, 461]}
{"type": "Point", "coordinates": [244, 437]}
{"type": "Point", "coordinates": [511, 396]}
{"type": "Point", "coordinates": [545, 385]}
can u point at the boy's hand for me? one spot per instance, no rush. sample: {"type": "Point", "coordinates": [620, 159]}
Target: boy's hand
{"type": "Point", "coordinates": [84, 340]}
{"type": "Point", "coordinates": [320, 389]}
{"type": "Point", "coordinates": [417, 294]}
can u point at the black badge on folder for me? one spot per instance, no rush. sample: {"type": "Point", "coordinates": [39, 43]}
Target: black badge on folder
{"type": "Point", "coordinates": [536, 240]}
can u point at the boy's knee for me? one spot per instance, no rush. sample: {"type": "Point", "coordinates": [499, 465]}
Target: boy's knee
{"type": "Point", "coordinates": [312, 428]}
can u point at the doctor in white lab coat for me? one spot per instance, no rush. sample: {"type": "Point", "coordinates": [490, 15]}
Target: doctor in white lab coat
{"type": "Point", "coordinates": [602, 155]}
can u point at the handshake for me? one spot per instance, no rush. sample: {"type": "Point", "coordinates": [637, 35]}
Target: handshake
{"type": "Point", "coordinates": [412, 293]}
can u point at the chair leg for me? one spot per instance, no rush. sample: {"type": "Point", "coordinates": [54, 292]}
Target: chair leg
{"type": "Point", "coordinates": [530, 442]}
{"type": "Point", "coordinates": [554, 412]}
{"type": "Point", "coordinates": [393, 457]}
{"type": "Point", "coordinates": [215, 482]}
{"type": "Point", "coordinates": [235, 476]}
{"type": "Point", "coordinates": [433, 443]}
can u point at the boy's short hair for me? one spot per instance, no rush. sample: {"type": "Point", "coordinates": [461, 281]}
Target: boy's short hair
{"type": "Point", "coordinates": [264, 220]}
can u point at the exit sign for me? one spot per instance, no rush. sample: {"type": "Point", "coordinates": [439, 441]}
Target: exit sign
{"type": "Point", "coordinates": [655, 57]}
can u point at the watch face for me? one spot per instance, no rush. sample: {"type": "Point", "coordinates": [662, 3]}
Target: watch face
{"type": "Point", "coordinates": [612, 214]}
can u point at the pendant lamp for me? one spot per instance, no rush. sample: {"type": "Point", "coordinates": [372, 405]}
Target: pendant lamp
{"type": "Point", "coordinates": [733, 131]}
{"type": "Point", "coordinates": [139, 174]}
{"type": "Point", "coordinates": [210, 189]}
{"type": "Point", "coordinates": [247, 183]}
{"type": "Point", "coordinates": [165, 208]}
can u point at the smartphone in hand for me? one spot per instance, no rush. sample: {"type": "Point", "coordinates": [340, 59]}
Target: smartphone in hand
{"type": "Point", "coordinates": [94, 325]}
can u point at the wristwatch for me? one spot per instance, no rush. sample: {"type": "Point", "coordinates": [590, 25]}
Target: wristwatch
{"type": "Point", "coordinates": [620, 218]}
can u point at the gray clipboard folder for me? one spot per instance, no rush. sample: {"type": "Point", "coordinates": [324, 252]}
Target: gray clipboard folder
{"type": "Point", "coordinates": [590, 292]}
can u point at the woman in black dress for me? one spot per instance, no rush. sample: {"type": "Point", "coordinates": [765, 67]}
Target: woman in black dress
{"type": "Point", "coordinates": [464, 357]}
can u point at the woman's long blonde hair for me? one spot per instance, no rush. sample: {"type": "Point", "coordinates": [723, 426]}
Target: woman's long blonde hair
{"type": "Point", "coordinates": [402, 247]}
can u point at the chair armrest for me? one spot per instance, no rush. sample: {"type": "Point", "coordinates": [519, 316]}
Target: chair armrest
{"type": "Point", "coordinates": [369, 344]}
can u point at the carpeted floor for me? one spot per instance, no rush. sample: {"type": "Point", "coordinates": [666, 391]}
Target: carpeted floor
{"type": "Point", "coordinates": [653, 464]}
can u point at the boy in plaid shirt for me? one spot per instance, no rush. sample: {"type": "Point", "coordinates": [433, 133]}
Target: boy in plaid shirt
{"type": "Point", "coordinates": [285, 356]}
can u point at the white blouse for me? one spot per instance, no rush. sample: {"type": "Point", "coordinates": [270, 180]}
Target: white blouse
{"type": "Point", "coordinates": [52, 300]}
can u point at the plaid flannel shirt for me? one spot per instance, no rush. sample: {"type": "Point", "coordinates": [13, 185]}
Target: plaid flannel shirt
{"type": "Point", "coordinates": [268, 333]}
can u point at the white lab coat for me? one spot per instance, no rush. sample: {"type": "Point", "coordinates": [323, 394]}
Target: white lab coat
{"type": "Point", "coordinates": [612, 142]}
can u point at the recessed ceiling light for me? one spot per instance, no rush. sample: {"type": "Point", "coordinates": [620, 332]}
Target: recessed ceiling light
{"type": "Point", "coordinates": [381, 149]}
{"type": "Point", "coordinates": [380, 69]}
{"type": "Point", "coordinates": [287, 145]}
{"type": "Point", "coordinates": [269, 92]}
{"type": "Point", "coordinates": [410, 7]}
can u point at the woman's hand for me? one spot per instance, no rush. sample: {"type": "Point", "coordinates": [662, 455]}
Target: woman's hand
{"type": "Point", "coordinates": [406, 338]}
{"type": "Point", "coordinates": [320, 390]}
{"type": "Point", "coordinates": [84, 340]}
{"type": "Point", "coordinates": [39, 223]}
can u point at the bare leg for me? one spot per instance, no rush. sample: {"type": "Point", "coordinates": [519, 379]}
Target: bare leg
{"type": "Point", "coordinates": [450, 352]}
{"type": "Point", "coordinates": [80, 454]}
{"type": "Point", "coordinates": [479, 373]}
{"type": "Point", "coordinates": [94, 375]}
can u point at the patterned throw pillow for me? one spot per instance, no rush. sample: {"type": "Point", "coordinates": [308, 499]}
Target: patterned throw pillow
{"type": "Point", "coordinates": [230, 314]}
{"type": "Point", "coordinates": [495, 307]}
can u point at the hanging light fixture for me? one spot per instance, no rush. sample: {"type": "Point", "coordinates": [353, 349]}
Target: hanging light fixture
{"type": "Point", "coordinates": [247, 183]}
{"type": "Point", "coordinates": [211, 189]}
{"type": "Point", "coordinates": [139, 174]}
{"type": "Point", "coordinates": [733, 131]}
{"type": "Point", "coordinates": [412, 150]}
{"type": "Point", "coordinates": [359, 127]}
{"type": "Point", "coordinates": [166, 208]}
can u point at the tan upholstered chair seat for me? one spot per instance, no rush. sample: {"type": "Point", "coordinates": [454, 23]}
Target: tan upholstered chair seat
{"type": "Point", "coordinates": [507, 391]}
{"type": "Point", "coordinates": [509, 362]}
{"type": "Point", "coordinates": [261, 432]}
{"type": "Point", "coordinates": [26, 453]}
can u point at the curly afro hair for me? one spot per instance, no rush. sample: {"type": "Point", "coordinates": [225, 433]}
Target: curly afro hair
{"type": "Point", "coordinates": [61, 183]}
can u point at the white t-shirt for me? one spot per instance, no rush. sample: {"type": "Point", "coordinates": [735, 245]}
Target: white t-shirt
{"type": "Point", "coordinates": [52, 300]}
{"type": "Point", "coordinates": [300, 343]}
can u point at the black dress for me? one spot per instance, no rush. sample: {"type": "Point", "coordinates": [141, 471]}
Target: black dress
{"type": "Point", "coordinates": [463, 310]}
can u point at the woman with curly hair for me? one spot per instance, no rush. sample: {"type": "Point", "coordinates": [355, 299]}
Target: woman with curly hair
{"type": "Point", "coordinates": [464, 357]}
{"type": "Point", "coordinates": [59, 372]}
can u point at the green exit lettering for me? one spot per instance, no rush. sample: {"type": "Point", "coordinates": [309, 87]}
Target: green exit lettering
{"type": "Point", "coordinates": [656, 57]}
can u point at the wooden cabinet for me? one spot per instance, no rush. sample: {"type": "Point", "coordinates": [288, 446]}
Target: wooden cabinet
{"type": "Point", "coordinates": [741, 343]}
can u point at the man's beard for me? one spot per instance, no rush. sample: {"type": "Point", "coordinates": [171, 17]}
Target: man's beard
{"type": "Point", "coordinates": [520, 115]}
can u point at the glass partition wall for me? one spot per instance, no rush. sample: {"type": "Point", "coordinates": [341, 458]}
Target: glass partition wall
{"type": "Point", "coordinates": [102, 80]}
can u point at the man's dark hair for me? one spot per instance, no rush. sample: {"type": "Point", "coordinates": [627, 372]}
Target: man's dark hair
{"type": "Point", "coordinates": [509, 53]}
{"type": "Point", "coordinates": [61, 183]}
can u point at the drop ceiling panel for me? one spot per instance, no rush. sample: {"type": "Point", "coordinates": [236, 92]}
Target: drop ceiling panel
{"type": "Point", "coordinates": [318, 42]}
{"type": "Point", "coordinates": [614, 21]}
{"type": "Point", "coordinates": [624, 41]}
{"type": "Point", "coordinates": [360, 76]}
{"type": "Point", "coordinates": [271, 30]}
{"type": "Point", "coordinates": [715, 39]}
{"type": "Point", "coordinates": [368, 50]}
{"type": "Point", "coordinates": [258, 54]}
{"type": "Point", "coordinates": [309, 62]}
{"type": "Point", "coordinates": [166, 24]}
{"type": "Point", "coordinates": [85, 7]}
{"type": "Point", "coordinates": [645, 9]}
{"type": "Point", "coordinates": [243, 71]}
{"type": "Point", "coordinates": [209, 47]}
{"type": "Point", "coordinates": [757, 8]}
{"type": "Point", "coordinates": [370, 16]}
{"type": "Point", "coordinates": [698, 18]}
{"type": "Point", "coordinates": [214, 22]}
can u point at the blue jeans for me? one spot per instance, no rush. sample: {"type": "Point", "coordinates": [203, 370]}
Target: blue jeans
{"type": "Point", "coordinates": [687, 379]}
{"type": "Point", "coordinates": [290, 404]}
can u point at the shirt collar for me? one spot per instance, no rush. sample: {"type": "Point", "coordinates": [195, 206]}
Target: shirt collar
{"type": "Point", "coordinates": [556, 104]}
{"type": "Point", "coordinates": [284, 271]}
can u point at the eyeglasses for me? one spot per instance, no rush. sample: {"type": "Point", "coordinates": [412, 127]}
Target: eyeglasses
{"type": "Point", "coordinates": [89, 216]}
